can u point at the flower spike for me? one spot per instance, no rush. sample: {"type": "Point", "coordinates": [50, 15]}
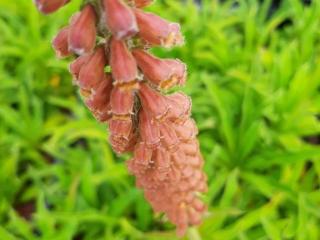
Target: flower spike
{"type": "Point", "coordinates": [123, 85]}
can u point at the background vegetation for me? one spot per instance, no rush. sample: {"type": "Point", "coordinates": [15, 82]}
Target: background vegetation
{"type": "Point", "coordinates": [255, 82]}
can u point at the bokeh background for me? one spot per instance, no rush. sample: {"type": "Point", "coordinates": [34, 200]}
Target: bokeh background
{"type": "Point", "coordinates": [254, 77]}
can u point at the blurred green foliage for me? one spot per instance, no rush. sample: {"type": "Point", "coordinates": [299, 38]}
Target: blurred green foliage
{"type": "Point", "coordinates": [254, 78]}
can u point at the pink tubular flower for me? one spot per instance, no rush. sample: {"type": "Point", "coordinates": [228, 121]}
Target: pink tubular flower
{"type": "Point", "coordinates": [60, 43]}
{"type": "Point", "coordinates": [50, 6]}
{"type": "Point", "coordinates": [76, 65]}
{"type": "Point", "coordinates": [120, 19]}
{"type": "Point", "coordinates": [153, 102]}
{"type": "Point", "coordinates": [122, 134]}
{"type": "Point", "coordinates": [122, 85]}
{"type": "Point", "coordinates": [122, 102]}
{"type": "Point", "coordinates": [92, 72]}
{"type": "Point", "coordinates": [82, 34]}
{"type": "Point", "coordinates": [157, 31]}
{"type": "Point", "coordinates": [164, 73]}
{"type": "Point", "coordinates": [149, 130]}
{"type": "Point", "coordinates": [98, 102]}
{"type": "Point", "coordinates": [180, 107]}
{"type": "Point", "coordinates": [123, 64]}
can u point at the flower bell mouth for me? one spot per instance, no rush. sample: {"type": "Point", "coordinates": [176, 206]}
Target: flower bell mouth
{"type": "Point", "coordinates": [123, 84]}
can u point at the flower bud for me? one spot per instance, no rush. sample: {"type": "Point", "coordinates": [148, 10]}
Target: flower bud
{"type": "Point", "coordinates": [165, 73]}
{"type": "Point", "coordinates": [92, 72]}
{"type": "Point", "coordinates": [123, 65]}
{"type": "Point", "coordinates": [82, 35]}
{"type": "Point", "coordinates": [157, 31]}
{"type": "Point", "coordinates": [50, 6]}
{"type": "Point", "coordinates": [60, 43]}
{"type": "Point", "coordinates": [120, 19]}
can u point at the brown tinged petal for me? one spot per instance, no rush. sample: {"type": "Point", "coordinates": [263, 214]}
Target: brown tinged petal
{"type": "Point", "coordinates": [120, 19]}
{"type": "Point", "coordinates": [82, 34]}
{"type": "Point", "coordinates": [92, 73]}
{"type": "Point", "coordinates": [164, 73]}
{"type": "Point", "coordinates": [60, 43]}
{"type": "Point", "coordinates": [123, 65]}
{"type": "Point", "coordinates": [50, 6]}
{"type": "Point", "coordinates": [121, 102]}
{"type": "Point", "coordinates": [157, 31]}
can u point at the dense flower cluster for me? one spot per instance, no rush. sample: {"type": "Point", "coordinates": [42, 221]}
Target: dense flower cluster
{"type": "Point", "coordinates": [131, 98]}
